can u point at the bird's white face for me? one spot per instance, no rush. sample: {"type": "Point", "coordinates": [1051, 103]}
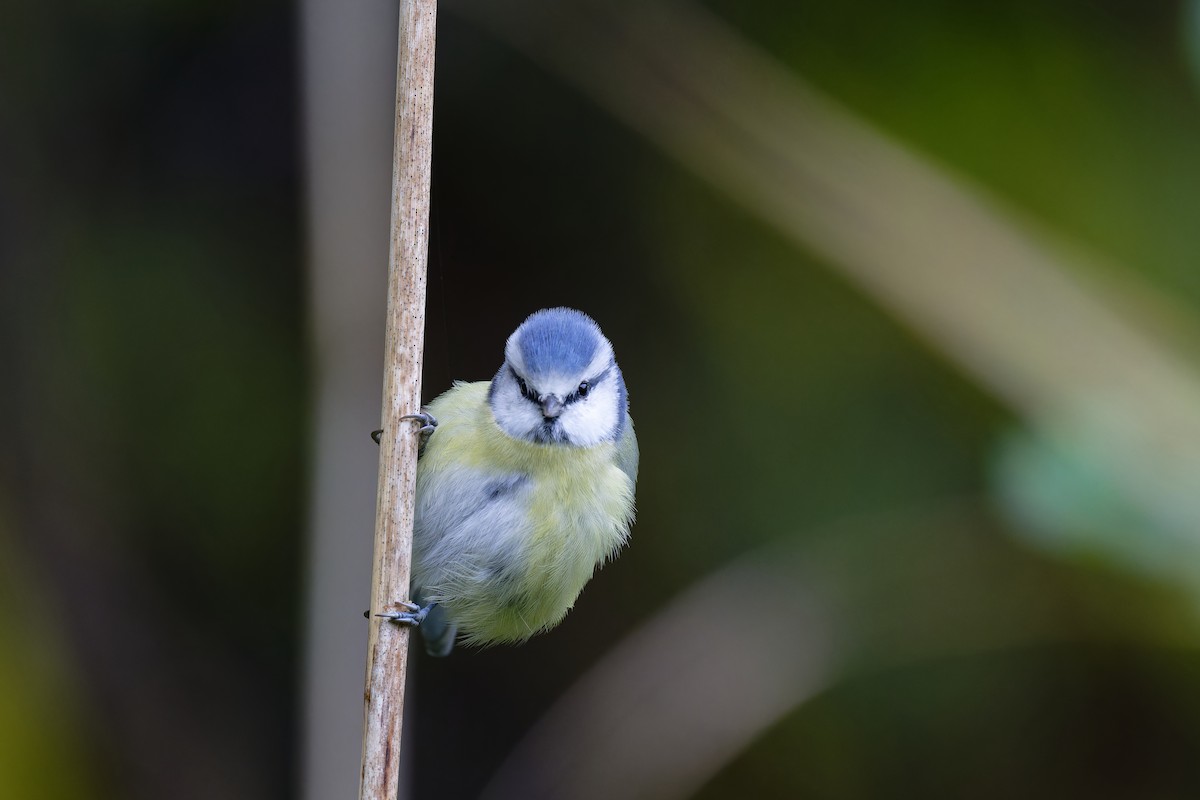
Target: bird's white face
{"type": "Point", "coordinates": [559, 384]}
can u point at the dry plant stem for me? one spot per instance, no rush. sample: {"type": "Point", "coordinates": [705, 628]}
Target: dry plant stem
{"type": "Point", "coordinates": [387, 654]}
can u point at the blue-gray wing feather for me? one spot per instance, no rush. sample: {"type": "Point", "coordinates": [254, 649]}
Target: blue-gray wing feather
{"type": "Point", "coordinates": [627, 452]}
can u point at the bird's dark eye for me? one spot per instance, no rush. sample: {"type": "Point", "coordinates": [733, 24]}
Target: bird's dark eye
{"type": "Point", "coordinates": [584, 388]}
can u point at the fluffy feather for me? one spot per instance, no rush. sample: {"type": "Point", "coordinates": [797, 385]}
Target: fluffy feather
{"type": "Point", "coordinates": [508, 531]}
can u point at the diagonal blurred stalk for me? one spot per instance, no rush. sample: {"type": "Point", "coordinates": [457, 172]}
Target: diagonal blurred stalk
{"type": "Point", "coordinates": [687, 691]}
{"type": "Point", "coordinates": [969, 276]}
{"type": "Point", "coordinates": [938, 252]}
{"type": "Point", "coordinates": [683, 694]}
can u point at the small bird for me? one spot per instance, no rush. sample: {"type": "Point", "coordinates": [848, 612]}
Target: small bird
{"type": "Point", "coordinates": [525, 485]}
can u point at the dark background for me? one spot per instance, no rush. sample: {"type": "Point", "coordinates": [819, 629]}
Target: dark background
{"type": "Point", "coordinates": [156, 412]}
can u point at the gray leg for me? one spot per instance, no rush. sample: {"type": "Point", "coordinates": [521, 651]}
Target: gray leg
{"type": "Point", "coordinates": [414, 614]}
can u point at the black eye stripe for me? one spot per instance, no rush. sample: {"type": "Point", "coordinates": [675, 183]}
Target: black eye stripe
{"type": "Point", "coordinates": [523, 386]}
{"type": "Point", "coordinates": [591, 383]}
{"type": "Point", "coordinates": [575, 396]}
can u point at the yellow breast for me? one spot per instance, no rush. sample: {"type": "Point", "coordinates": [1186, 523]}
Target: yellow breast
{"type": "Point", "coordinates": [517, 569]}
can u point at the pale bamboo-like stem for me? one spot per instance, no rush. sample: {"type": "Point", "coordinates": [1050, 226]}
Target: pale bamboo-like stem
{"type": "Point", "coordinates": [387, 654]}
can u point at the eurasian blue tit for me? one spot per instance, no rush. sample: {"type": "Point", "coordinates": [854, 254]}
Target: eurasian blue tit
{"type": "Point", "coordinates": [524, 487]}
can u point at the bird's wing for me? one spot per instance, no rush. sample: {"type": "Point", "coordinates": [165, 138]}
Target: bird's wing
{"type": "Point", "coordinates": [627, 452]}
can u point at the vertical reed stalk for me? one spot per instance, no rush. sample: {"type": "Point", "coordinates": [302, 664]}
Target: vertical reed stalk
{"type": "Point", "coordinates": [387, 655]}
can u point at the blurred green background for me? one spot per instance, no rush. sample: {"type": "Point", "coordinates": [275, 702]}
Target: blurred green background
{"type": "Point", "coordinates": [983, 503]}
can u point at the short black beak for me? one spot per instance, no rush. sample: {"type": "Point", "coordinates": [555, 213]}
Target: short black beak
{"type": "Point", "coordinates": [552, 406]}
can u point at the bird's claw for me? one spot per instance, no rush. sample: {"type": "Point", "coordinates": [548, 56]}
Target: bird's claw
{"type": "Point", "coordinates": [428, 425]}
{"type": "Point", "coordinates": [412, 615]}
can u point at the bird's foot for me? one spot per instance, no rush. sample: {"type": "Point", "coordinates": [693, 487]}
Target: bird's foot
{"type": "Point", "coordinates": [428, 425]}
{"type": "Point", "coordinates": [413, 614]}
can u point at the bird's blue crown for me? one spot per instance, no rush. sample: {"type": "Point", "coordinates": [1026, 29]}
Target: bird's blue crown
{"type": "Point", "coordinates": [557, 341]}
